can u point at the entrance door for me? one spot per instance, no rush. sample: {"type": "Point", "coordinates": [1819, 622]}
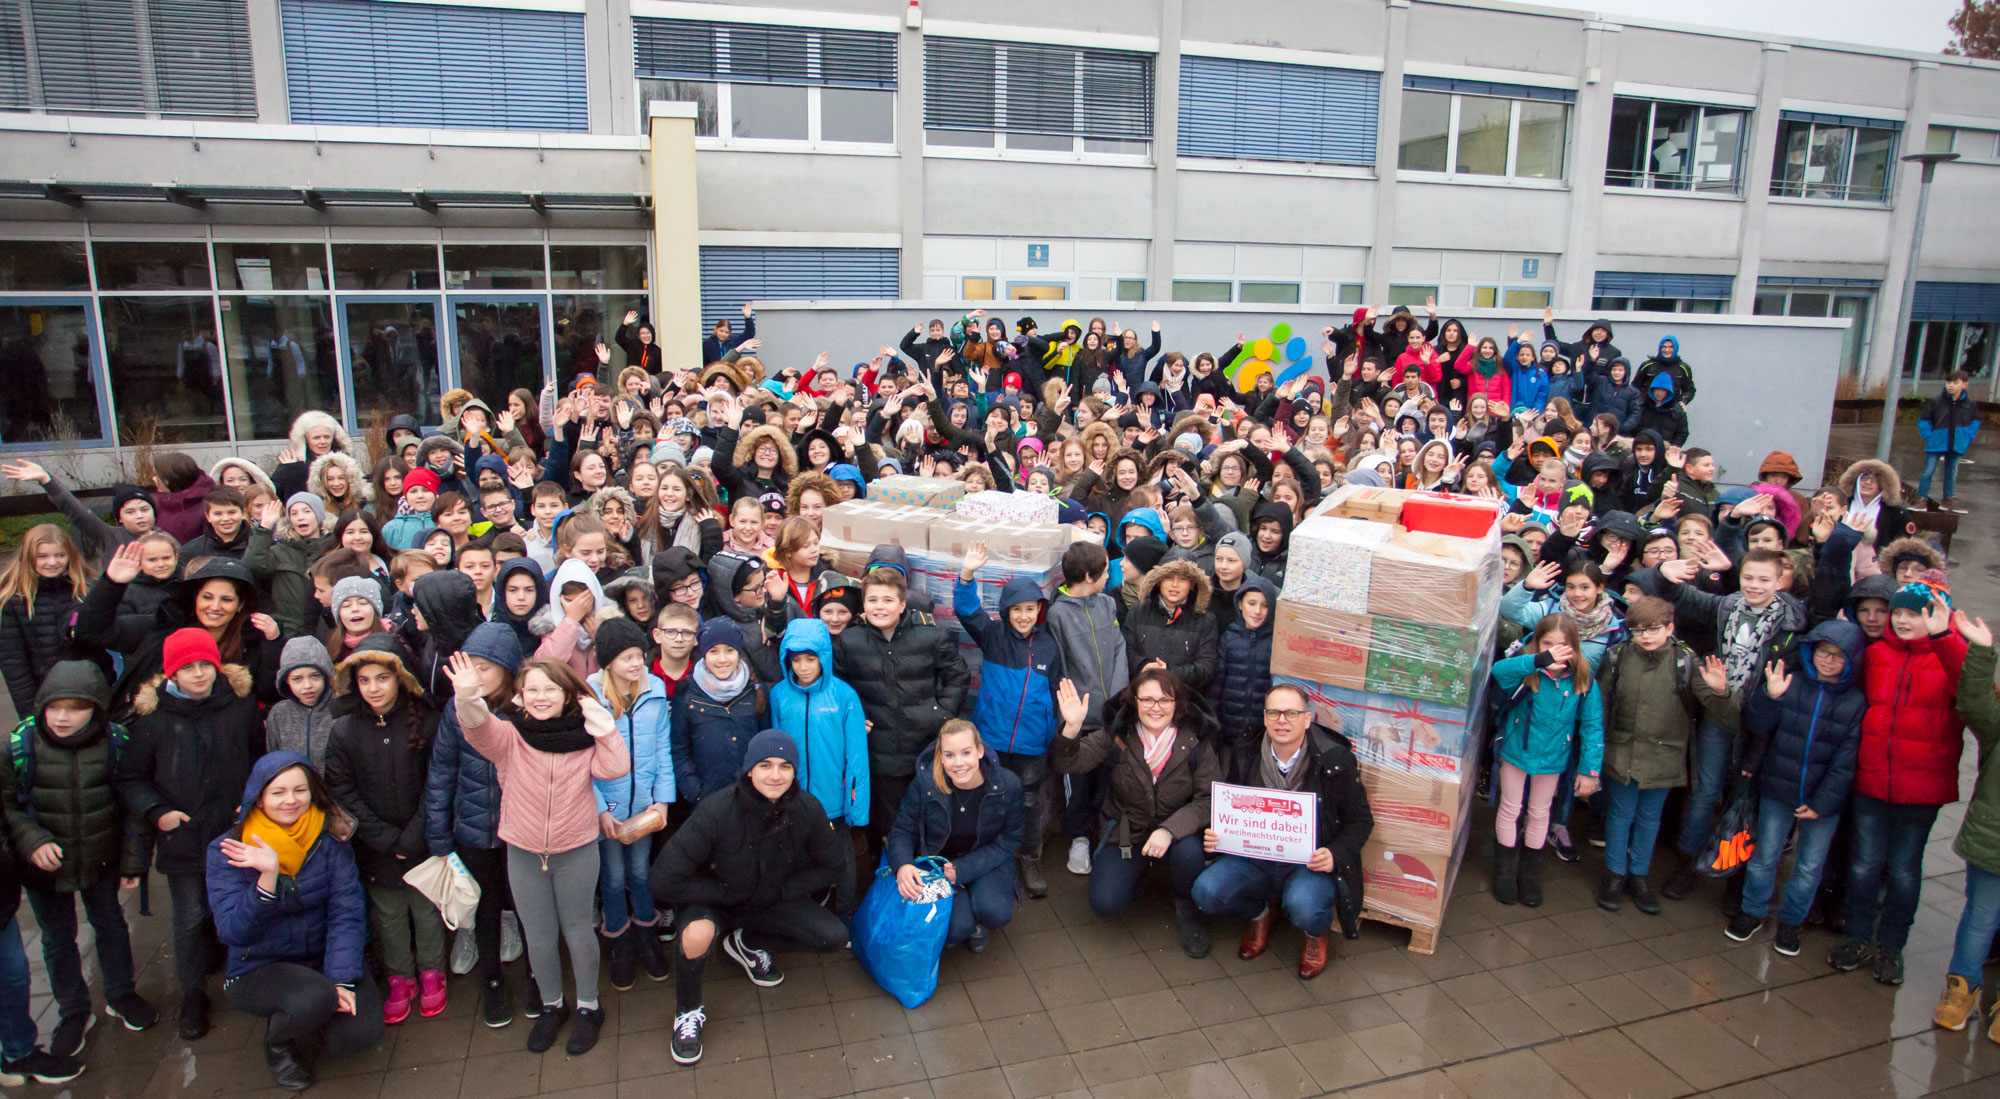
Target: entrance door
{"type": "Point", "coordinates": [392, 359]}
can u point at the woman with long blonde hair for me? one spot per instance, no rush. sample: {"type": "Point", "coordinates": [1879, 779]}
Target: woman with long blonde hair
{"type": "Point", "coordinates": [42, 585]}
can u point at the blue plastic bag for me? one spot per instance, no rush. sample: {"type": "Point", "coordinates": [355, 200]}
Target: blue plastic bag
{"type": "Point", "coordinates": [899, 941]}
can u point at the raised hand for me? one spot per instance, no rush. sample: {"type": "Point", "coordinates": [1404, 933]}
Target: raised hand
{"type": "Point", "coordinates": [463, 675]}
{"type": "Point", "coordinates": [1937, 617]}
{"type": "Point", "coordinates": [24, 471]}
{"type": "Point", "coordinates": [265, 624]}
{"type": "Point", "coordinates": [1548, 315]}
{"type": "Point", "coordinates": [1541, 576]}
{"type": "Point", "coordinates": [975, 559]}
{"type": "Point", "coordinates": [255, 855]}
{"type": "Point", "coordinates": [1974, 630]}
{"type": "Point", "coordinates": [1431, 307]}
{"type": "Point", "coordinates": [269, 514]}
{"type": "Point", "coordinates": [1074, 707]}
{"type": "Point", "coordinates": [1680, 571]}
{"type": "Point", "coordinates": [603, 354]}
{"type": "Point", "coordinates": [1715, 674]}
{"type": "Point", "coordinates": [123, 567]}
{"type": "Point", "coordinates": [1776, 680]}
{"type": "Point", "coordinates": [1559, 655]}
{"type": "Point", "coordinates": [631, 315]}
{"type": "Point", "coordinates": [747, 310]}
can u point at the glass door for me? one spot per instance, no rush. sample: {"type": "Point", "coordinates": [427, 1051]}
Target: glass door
{"type": "Point", "coordinates": [392, 359]}
{"type": "Point", "coordinates": [500, 344]}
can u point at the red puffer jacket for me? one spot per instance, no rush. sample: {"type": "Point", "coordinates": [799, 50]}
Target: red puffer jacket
{"type": "Point", "coordinates": [1912, 736]}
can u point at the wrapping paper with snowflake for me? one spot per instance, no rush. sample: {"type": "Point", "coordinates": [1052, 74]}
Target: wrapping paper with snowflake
{"type": "Point", "coordinates": [1331, 561]}
{"type": "Point", "coordinates": [929, 492]}
{"type": "Point", "coordinates": [1430, 663]}
{"type": "Point", "coordinates": [1007, 507]}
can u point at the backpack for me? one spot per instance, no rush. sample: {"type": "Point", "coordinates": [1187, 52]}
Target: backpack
{"type": "Point", "coordinates": [21, 757]}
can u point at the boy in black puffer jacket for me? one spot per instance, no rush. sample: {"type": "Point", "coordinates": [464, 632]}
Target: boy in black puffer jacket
{"type": "Point", "coordinates": [1243, 674]}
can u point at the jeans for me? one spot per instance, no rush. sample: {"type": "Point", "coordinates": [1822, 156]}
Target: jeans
{"type": "Point", "coordinates": [1976, 924]}
{"type": "Point", "coordinates": [1888, 869]}
{"type": "Point", "coordinates": [1931, 462]}
{"type": "Point", "coordinates": [17, 1027]}
{"type": "Point", "coordinates": [1632, 827]}
{"type": "Point", "coordinates": [1242, 887]}
{"type": "Point", "coordinates": [1115, 879]}
{"type": "Point", "coordinates": [986, 901]}
{"type": "Point", "coordinates": [1774, 823]}
{"type": "Point", "coordinates": [1083, 801]}
{"type": "Point", "coordinates": [296, 1001]}
{"type": "Point", "coordinates": [56, 913]}
{"type": "Point", "coordinates": [1713, 749]}
{"type": "Point", "coordinates": [194, 932]}
{"type": "Point", "coordinates": [400, 913]}
{"type": "Point", "coordinates": [621, 878]}
{"type": "Point", "coordinates": [1033, 771]}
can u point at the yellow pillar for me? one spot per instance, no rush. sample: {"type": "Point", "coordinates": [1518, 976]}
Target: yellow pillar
{"type": "Point", "coordinates": [676, 237]}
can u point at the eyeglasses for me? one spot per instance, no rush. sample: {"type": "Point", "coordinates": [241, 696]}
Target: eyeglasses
{"type": "Point", "coordinates": [686, 587]}
{"type": "Point", "coordinates": [677, 635]}
{"type": "Point", "coordinates": [1650, 631]}
{"type": "Point", "coordinates": [1283, 715]}
{"type": "Point", "coordinates": [1155, 703]}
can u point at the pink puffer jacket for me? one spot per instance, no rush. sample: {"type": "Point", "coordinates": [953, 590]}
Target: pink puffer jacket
{"type": "Point", "coordinates": [547, 803]}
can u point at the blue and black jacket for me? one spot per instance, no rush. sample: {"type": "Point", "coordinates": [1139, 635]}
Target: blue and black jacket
{"type": "Point", "coordinates": [1016, 708]}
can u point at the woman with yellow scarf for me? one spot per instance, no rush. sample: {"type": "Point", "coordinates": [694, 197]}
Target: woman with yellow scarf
{"type": "Point", "coordinates": [289, 904]}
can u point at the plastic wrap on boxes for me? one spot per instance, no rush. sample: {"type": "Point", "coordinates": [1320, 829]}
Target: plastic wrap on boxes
{"type": "Point", "coordinates": [1409, 887]}
{"type": "Point", "coordinates": [1321, 645]}
{"type": "Point", "coordinates": [1416, 812]}
{"type": "Point", "coordinates": [1426, 661]}
{"type": "Point", "coordinates": [1332, 560]}
{"type": "Point", "coordinates": [1008, 507]}
{"type": "Point", "coordinates": [1036, 547]}
{"type": "Point", "coordinates": [937, 573]}
{"type": "Point", "coordinates": [930, 492]}
{"type": "Point", "coordinates": [1379, 505]}
{"type": "Point", "coordinates": [1434, 577]}
{"type": "Point", "coordinates": [1418, 738]}
{"type": "Point", "coordinates": [849, 532]}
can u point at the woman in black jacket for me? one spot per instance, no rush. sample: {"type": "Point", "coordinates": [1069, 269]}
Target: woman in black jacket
{"type": "Point", "coordinates": [376, 768]}
{"type": "Point", "coordinates": [750, 860]}
{"type": "Point", "coordinates": [966, 808]}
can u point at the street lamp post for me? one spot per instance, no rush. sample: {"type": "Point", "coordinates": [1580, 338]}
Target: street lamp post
{"type": "Point", "coordinates": [1930, 161]}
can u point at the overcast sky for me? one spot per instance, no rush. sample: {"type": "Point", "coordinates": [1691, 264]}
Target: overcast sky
{"type": "Point", "coordinates": [1897, 24]}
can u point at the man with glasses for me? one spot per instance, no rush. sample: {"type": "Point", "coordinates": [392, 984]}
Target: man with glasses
{"type": "Point", "coordinates": [1298, 754]}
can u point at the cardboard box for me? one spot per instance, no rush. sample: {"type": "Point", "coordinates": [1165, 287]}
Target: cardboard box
{"type": "Point", "coordinates": [1434, 578]}
{"type": "Point", "coordinates": [931, 492]}
{"type": "Point", "coordinates": [1331, 562]}
{"type": "Point", "coordinates": [1410, 887]}
{"type": "Point", "coordinates": [1424, 661]}
{"type": "Point", "coordinates": [1320, 645]}
{"type": "Point", "coordinates": [937, 575]}
{"type": "Point", "coordinates": [1412, 736]}
{"type": "Point", "coordinates": [1378, 505]}
{"type": "Point", "coordinates": [1034, 546]}
{"type": "Point", "coordinates": [1416, 812]}
{"type": "Point", "coordinates": [1008, 507]}
{"type": "Point", "coordinates": [871, 523]}
{"type": "Point", "coordinates": [1455, 516]}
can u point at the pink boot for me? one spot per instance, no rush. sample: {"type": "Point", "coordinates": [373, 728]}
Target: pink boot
{"type": "Point", "coordinates": [432, 982]}
{"type": "Point", "coordinates": [396, 1007]}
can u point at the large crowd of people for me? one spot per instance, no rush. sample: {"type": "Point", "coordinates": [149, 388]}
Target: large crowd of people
{"type": "Point", "coordinates": [584, 643]}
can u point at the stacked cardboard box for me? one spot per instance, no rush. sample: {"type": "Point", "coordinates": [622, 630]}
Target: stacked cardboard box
{"type": "Point", "coordinates": [1390, 633]}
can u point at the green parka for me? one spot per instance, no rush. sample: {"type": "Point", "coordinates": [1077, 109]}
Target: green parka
{"type": "Point", "coordinates": [1649, 699]}
{"type": "Point", "coordinates": [1979, 837]}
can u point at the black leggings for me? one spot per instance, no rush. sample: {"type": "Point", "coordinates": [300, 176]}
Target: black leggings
{"type": "Point", "coordinates": [297, 1001]}
{"type": "Point", "coordinates": [801, 926]}
{"type": "Point", "coordinates": [488, 867]}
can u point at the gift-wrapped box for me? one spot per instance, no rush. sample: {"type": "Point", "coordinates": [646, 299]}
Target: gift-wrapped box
{"type": "Point", "coordinates": [1423, 660]}
{"type": "Point", "coordinates": [929, 492]}
{"type": "Point", "coordinates": [1457, 516]}
{"type": "Point", "coordinates": [1433, 578]}
{"type": "Point", "coordinates": [1376, 505]}
{"type": "Point", "coordinates": [1320, 645]}
{"type": "Point", "coordinates": [1404, 734]}
{"type": "Point", "coordinates": [1331, 562]}
{"type": "Point", "coordinates": [1007, 507]}
{"type": "Point", "coordinates": [1034, 546]}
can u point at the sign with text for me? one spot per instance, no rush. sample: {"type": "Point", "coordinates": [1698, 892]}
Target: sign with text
{"type": "Point", "coordinates": [1258, 823]}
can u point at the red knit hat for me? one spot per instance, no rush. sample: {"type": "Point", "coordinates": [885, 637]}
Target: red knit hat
{"type": "Point", "coordinates": [184, 647]}
{"type": "Point", "coordinates": [423, 477]}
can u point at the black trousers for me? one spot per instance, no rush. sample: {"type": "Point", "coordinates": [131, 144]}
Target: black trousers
{"type": "Point", "coordinates": [792, 926]}
{"type": "Point", "coordinates": [488, 866]}
{"type": "Point", "coordinates": [194, 931]}
{"type": "Point", "coordinates": [296, 1001]}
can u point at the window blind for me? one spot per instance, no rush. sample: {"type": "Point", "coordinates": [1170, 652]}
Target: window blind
{"type": "Point", "coordinates": [1652, 284]}
{"type": "Point", "coordinates": [731, 276]}
{"type": "Point", "coordinates": [201, 57]}
{"type": "Point", "coordinates": [749, 53]}
{"type": "Point", "coordinates": [1488, 88]}
{"type": "Point", "coordinates": [1020, 88]}
{"type": "Point", "coordinates": [1255, 110]}
{"type": "Point", "coordinates": [1976, 302]}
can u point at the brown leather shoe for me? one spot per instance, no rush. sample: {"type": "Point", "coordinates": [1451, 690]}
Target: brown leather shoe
{"type": "Point", "coordinates": [1256, 936]}
{"type": "Point", "coordinates": [1312, 960]}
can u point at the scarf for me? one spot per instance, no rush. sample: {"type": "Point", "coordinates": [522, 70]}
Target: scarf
{"type": "Point", "coordinates": [559, 735]}
{"type": "Point", "coordinates": [1487, 367]}
{"type": "Point", "coordinates": [291, 843]}
{"type": "Point", "coordinates": [1279, 776]}
{"type": "Point", "coordinates": [1157, 749]}
{"type": "Point", "coordinates": [1593, 623]}
{"type": "Point", "coordinates": [1744, 631]}
{"type": "Point", "coordinates": [721, 690]}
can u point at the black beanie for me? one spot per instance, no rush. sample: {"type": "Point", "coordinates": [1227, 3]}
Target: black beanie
{"type": "Point", "coordinates": [614, 636]}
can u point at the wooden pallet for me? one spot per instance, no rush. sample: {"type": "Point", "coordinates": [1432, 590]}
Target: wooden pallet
{"type": "Point", "coordinates": [1423, 940]}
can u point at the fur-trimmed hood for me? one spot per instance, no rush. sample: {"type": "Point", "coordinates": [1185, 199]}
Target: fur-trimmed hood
{"type": "Point", "coordinates": [306, 421]}
{"type": "Point", "coordinates": [255, 471]}
{"type": "Point", "coordinates": [1885, 475]}
{"type": "Point", "coordinates": [359, 486]}
{"type": "Point", "coordinates": [746, 445]}
{"type": "Point", "coordinates": [148, 698]}
{"type": "Point", "coordinates": [736, 377]}
{"type": "Point", "coordinates": [813, 480]}
{"type": "Point", "coordinates": [593, 505]}
{"type": "Point", "coordinates": [382, 649]}
{"type": "Point", "coordinates": [1909, 547]}
{"type": "Point", "coordinates": [1186, 570]}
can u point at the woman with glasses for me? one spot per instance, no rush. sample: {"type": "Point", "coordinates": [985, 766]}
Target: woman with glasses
{"type": "Point", "coordinates": [1294, 752]}
{"type": "Point", "coordinates": [1158, 734]}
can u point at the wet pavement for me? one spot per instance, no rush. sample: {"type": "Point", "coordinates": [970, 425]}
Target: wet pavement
{"type": "Point", "coordinates": [1564, 1000]}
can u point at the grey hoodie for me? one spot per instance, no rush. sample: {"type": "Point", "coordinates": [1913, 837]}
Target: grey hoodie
{"type": "Point", "coordinates": [1093, 647]}
{"type": "Point", "coordinates": [291, 726]}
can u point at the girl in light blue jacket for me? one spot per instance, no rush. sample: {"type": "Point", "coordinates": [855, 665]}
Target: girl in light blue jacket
{"type": "Point", "coordinates": [1552, 713]}
{"type": "Point", "coordinates": [639, 708]}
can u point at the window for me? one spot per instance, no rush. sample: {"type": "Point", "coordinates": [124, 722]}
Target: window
{"type": "Point", "coordinates": [1833, 157]}
{"type": "Point", "coordinates": [385, 266]}
{"type": "Point", "coordinates": [282, 361]}
{"type": "Point", "coordinates": [166, 368]}
{"type": "Point", "coordinates": [392, 357]}
{"type": "Point", "coordinates": [1011, 96]}
{"type": "Point", "coordinates": [51, 379]}
{"type": "Point", "coordinates": [1658, 292]}
{"type": "Point", "coordinates": [753, 83]}
{"type": "Point", "coordinates": [151, 264]}
{"type": "Point", "coordinates": [493, 267]}
{"type": "Point", "coordinates": [1131, 289]}
{"type": "Point", "coordinates": [597, 266]}
{"type": "Point", "coordinates": [1412, 296]}
{"type": "Point", "coordinates": [352, 62]}
{"type": "Point", "coordinates": [1970, 144]}
{"type": "Point", "coordinates": [1676, 146]}
{"type": "Point", "coordinates": [1277, 293]}
{"type": "Point", "coordinates": [731, 276]}
{"type": "Point", "coordinates": [254, 266]}
{"type": "Point", "coordinates": [43, 265]}
{"type": "Point", "coordinates": [1254, 110]}
{"type": "Point", "coordinates": [1526, 299]}
{"type": "Point", "coordinates": [1933, 349]}
{"type": "Point", "coordinates": [161, 58]}
{"type": "Point", "coordinates": [1849, 298]}
{"type": "Point", "coordinates": [499, 345]}
{"type": "Point", "coordinates": [580, 323]}
{"type": "Point", "coordinates": [1194, 290]}
{"type": "Point", "coordinates": [976, 289]}
{"type": "Point", "coordinates": [1037, 291]}
{"type": "Point", "coordinates": [1477, 128]}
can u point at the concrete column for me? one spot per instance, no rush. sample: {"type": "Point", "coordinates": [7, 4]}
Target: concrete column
{"type": "Point", "coordinates": [1166, 153]}
{"type": "Point", "coordinates": [614, 92]}
{"type": "Point", "coordinates": [1388, 148]}
{"type": "Point", "coordinates": [676, 236]}
{"type": "Point", "coordinates": [267, 63]}
{"type": "Point", "coordinates": [1757, 176]}
{"type": "Point", "coordinates": [1590, 130]}
{"type": "Point", "coordinates": [910, 165]}
{"type": "Point", "coordinates": [1890, 324]}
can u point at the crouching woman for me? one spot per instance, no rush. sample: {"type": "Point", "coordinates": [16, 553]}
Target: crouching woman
{"type": "Point", "coordinates": [966, 809]}
{"type": "Point", "coordinates": [289, 905]}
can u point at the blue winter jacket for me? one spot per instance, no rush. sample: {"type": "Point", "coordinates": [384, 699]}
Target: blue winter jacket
{"type": "Point", "coordinates": [828, 723]}
{"type": "Point", "coordinates": [1531, 386]}
{"type": "Point", "coordinates": [1623, 401]}
{"type": "Point", "coordinates": [1947, 426]}
{"type": "Point", "coordinates": [1243, 672]}
{"type": "Point", "coordinates": [650, 781]}
{"type": "Point", "coordinates": [1572, 388]}
{"type": "Point", "coordinates": [923, 823]}
{"type": "Point", "coordinates": [710, 737]}
{"type": "Point", "coordinates": [1544, 723]}
{"type": "Point", "coordinates": [462, 790]}
{"type": "Point", "coordinates": [1016, 708]}
{"type": "Point", "coordinates": [1804, 747]}
{"type": "Point", "coordinates": [317, 918]}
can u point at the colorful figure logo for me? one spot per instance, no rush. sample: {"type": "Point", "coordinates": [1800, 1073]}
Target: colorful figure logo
{"type": "Point", "coordinates": [1280, 354]}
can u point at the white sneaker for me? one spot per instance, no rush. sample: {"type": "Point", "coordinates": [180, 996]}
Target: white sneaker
{"type": "Point", "coordinates": [1079, 856]}
{"type": "Point", "coordinates": [510, 937]}
{"type": "Point", "coordinates": [464, 951]}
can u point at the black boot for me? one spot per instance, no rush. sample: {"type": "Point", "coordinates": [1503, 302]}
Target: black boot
{"type": "Point", "coordinates": [1641, 891]}
{"type": "Point", "coordinates": [1194, 932]}
{"type": "Point", "coordinates": [1608, 892]}
{"type": "Point", "coordinates": [1506, 872]}
{"type": "Point", "coordinates": [653, 953]}
{"type": "Point", "coordinates": [623, 962]}
{"type": "Point", "coordinates": [287, 1071]}
{"type": "Point", "coordinates": [1681, 882]}
{"type": "Point", "coordinates": [1032, 879]}
{"type": "Point", "coordinates": [1531, 877]}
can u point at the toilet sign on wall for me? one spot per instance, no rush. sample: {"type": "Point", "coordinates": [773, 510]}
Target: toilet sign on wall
{"type": "Point", "coordinates": [1038, 255]}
